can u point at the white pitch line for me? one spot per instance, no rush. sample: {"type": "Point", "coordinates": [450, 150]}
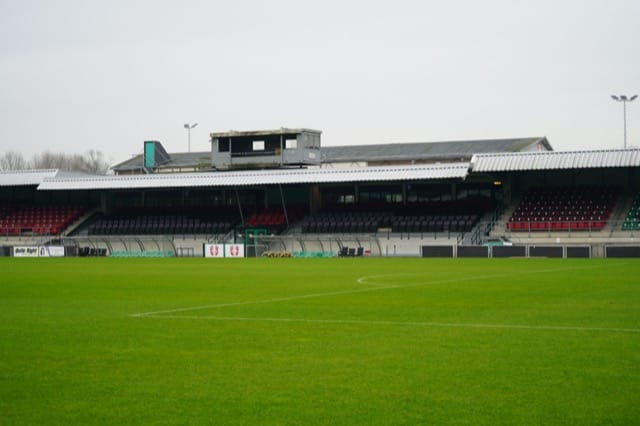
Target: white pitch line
{"type": "Point", "coordinates": [257, 302]}
{"type": "Point", "coordinates": [401, 323]}
{"type": "Point", "coordinates": [365, 279]}
{"type": "Point", "coordinates": [360, 280]}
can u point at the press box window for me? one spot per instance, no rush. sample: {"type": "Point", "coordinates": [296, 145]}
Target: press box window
{"type": "Point", "coordinates": [258, 145]}
{"type": "Point", "coordinates": [291, 144]}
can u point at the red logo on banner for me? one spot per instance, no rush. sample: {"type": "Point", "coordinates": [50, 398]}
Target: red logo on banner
{"type": "Point", "coordinates": [214, 250]}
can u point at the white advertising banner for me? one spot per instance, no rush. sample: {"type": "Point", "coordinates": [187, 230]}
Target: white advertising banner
{"type": "Point", "coordinates": [214, 250]}
{"type": "Point", "coordinates": [234, 250]}
{"type": "Point", "coordinates": [51, 251]}
{"type": "Point", "coordinates": [25, 251]}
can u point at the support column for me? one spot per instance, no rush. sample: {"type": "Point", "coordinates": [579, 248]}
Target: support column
{"type": "Point", "coordinates": [239, 206]}
{"type": "Point", "coordinates": [404, 194]}
{"type": "Point", "coordinates": [284, 206]}
{"type": "Point", "coordinates": [315, 200]}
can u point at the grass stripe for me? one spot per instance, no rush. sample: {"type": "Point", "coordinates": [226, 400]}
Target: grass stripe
{"type": "Point", "coordinates": [402, 323]}
{"type": "Point", "coordinates": [362, 280]}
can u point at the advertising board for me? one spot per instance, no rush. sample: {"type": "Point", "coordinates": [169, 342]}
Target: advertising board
{"type": "Point", "coordinates": [25, 251]}
{"type": "Point", "coordinates": [223, 250]}
{"type": "Point", "coordinates": [234, 250]}
{"type": "Point", "coordinates": [214, 250]}
{"type": "Point", "coordinates": [38, 251]}
{"type": "Point", "coordinates": [51, 251]}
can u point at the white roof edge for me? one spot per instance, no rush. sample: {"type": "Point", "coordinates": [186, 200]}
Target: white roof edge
{"type": "Point", "coordinates": [262, 177]}
{"type": "Point", "coordinates": [26, 177]}
{"type": "Point", "coordinates": [550, 160]}
{"type": "Point", "coordinates": [525, 153]}
{"type": "Point", "coordinates": [29, 171]}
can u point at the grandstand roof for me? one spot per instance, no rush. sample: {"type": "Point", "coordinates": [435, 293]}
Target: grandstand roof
{"type": "Point", "coordinates": [26, 177]}
{"type": "Point", "coordinates": [555, 160]}
{"type": "Point", "coordinates": [449, 151]}
{"type": "Point", "coordinates": [260, 177]}
{"type": "Point", "coordinates": [177, 160]}
{"type": "Point", "coordinates": [428, 150]}
{"type": "Point", "coordinates": [54, 179]}
{"type": "Point", "coordinates": [35, 177]}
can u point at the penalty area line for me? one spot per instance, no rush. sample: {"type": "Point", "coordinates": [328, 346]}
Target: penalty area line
{"type": "Point", "coordinates": [401, 323]}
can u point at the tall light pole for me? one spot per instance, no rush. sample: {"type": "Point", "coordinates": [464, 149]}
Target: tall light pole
{"type": "Point", "coordinates": [624, 100]}
{"type": "Point", "coordinates": [189, 127]}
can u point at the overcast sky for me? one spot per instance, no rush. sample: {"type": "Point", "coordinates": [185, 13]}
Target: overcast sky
{"type": "Point", "coordinates": [78, 75]}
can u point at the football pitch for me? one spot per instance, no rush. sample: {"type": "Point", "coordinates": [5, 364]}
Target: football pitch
{"type": "Point", "coordinates": [319, 341]}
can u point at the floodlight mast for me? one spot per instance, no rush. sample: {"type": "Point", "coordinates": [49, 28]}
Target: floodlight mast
{"type": "Point", "coordinates": [624, 99]}
{"type": "Point", "coordinates": [189, 127]}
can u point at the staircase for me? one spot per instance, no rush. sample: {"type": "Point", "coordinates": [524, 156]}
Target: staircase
{"type": "Point", "coordinates": [78, 222]}
{"type": "Point", "coordinates": [500, 227]}
{"type": "Point", "coordinates": [618, 214]}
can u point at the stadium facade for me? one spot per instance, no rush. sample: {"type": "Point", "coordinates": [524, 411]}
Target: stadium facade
{"type": "Point", "coordinates": [280, 192]}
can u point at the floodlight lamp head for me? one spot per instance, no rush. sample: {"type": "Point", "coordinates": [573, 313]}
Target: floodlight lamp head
{"type": "Point", "coordinates": [633, 98]}
{"type": "Point", "coordinates": [194, 125]}
{"type": "Point", "coordinates": [623, 97]}
{"type": "Point", "coordinates": [186, 126]}
{"type": "Point", "coordinates": [614, 97]}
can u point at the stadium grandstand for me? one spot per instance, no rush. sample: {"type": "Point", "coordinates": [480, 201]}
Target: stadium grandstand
{"type": "Point", "coordinates": [280, 191]}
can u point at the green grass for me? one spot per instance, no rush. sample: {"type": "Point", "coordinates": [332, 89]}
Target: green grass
{"type": "Point", "coordinates": [319, 341]}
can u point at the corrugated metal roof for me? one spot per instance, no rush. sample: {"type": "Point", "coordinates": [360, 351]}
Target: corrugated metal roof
{"type": "Point", "coordinates": [26, 177]}
{"type": "Point", "coordinates": [427, 150]}
{"type": "Point", "coordinates": [177, 160]}
{"type": "Point", "coordinates": [448, 151]}
{"type": "Point", "coordinates": [262, 177]}
{"type": "Point", "coordinates": [555, 160]}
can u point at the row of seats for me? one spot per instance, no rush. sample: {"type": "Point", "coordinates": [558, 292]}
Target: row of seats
{"type": "Point", "coordinates": [50, 220]}
{"type": "Point", "coordinates": [442, 223]}
{"type": "Point", "coordinates": [557, 225]}
{"type": "Point", "coordinates": [154, 221]}
{"type": "Point", "coordinates": [435, 216]}
{"type": "Point", "coordinates": [344, 222]}
{"type": "Point", "coordinates": [562, 209]}
{"type": "Point", "coordinates": [274, 217]}
{"type": "Point", "coordinates": [166, 220]}
{"type": "Point", "coordinates": [541, 209]}
{"type": "Point", "coordinates": [156, 225]}
{"type": "Point", "coordinates": [632, 220]}
{"type": "Point", "coordinates": [368, 222]}
{"type": "Point", "coordinates": [195, 220]}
